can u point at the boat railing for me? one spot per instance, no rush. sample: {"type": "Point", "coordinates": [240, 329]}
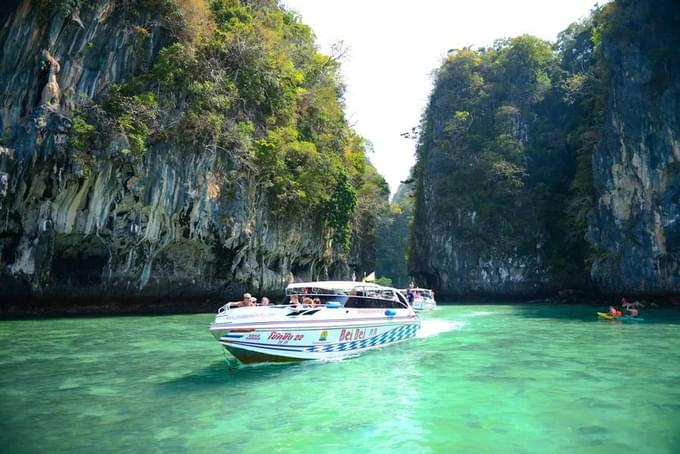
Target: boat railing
{"type": "Point", "coordinates": [224, 310]}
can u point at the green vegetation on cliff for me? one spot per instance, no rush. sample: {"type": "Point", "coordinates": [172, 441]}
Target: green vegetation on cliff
{"type": "Point", "coordinates": [175, 149]}
{"type": "Point", "coordinates": [393, 235]}
{"type": "Point", "coordinates": [505, 152]}
{"type": "Point", "coordinates": [252, 82]}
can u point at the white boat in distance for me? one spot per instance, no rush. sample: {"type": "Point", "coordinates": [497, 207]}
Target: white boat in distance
{"type": "Point", "coordinates": [423, 299]}
{"type": "Point", "coordinates": [347, 318]}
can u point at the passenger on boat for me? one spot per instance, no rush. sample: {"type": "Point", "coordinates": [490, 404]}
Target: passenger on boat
{"type": "Point", "coordinates": [316, 302]}
{"type": "Point", "coordinates": [244, 302]}
{"type": "Point", "coordinates": [307, 302]}
{"type": "Point", "coordinates": [294, 301]}
{"type": "Point", "coordinates": [253, 301]}
{"type": "Point", "coordinates": [264, 301]}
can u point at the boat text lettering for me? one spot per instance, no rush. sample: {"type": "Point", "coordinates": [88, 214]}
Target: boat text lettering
{"type": "Point", "coordinates": [356, 334]}
{"type": "Point", "coordinates": [284, 338]}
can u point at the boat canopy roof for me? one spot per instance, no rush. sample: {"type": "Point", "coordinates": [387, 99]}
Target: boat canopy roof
{"type": "Point", "coordinates": [417, 289]}
{"type": "Point", "coordinates": [332, 287]}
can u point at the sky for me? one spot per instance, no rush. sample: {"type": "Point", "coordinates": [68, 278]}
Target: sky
{"type": "Point", "coordinates": [393, 46]}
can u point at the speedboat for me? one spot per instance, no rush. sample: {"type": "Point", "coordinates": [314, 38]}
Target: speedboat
{"type": "Point", "coordinates": [423, 299]}
{"type": "Point", "coordinates": [316, 320]}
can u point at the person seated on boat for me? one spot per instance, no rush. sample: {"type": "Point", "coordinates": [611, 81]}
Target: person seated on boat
{"type": "Point", "coordinates": [264, 301]}
{"type": "Point", "coordinates": [244, 302]}
{"type": "Point", "coordinates": [253, 301]}
{"type": "Point", "coordinates": [294, 301]}
{"type": "Point", "coordinates": [307, 302]}
{"type": "Point", "coordinates": [316, 302]}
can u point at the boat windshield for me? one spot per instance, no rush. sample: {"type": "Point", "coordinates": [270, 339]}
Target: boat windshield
{"type": "Point", "coordinates": [419, 292]}
{"type": "Point", "coordinates": [384, 298]}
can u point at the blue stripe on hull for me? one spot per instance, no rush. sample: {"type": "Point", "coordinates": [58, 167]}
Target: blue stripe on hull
{"type": "Point", "coordinates": [397, 334]}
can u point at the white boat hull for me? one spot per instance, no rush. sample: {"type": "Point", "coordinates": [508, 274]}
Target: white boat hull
{"type": "Point", "coordinates": [424, 305]}
{"type": "Point", "coordinates": [300, 340]}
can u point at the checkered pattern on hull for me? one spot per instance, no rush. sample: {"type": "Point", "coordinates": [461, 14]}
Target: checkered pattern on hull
{"type": "Point", "coordinates": [397, 334]}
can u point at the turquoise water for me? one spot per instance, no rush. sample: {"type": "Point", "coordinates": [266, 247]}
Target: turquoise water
{"type": "Point", "coordinates": [478, 379]}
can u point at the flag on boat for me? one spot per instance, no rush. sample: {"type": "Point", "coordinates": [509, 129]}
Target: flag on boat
{"type": "Point", "coordinates": [370, 277]}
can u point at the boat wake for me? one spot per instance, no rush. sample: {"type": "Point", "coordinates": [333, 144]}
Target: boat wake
{"type": "Point", "coordinates": [480, 313]}
{"type": "Point", "coordinates": [429, 328]}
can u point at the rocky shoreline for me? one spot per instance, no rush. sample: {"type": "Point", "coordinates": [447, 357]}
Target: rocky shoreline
{"type": "Point", "coordinates": [37, 308]}
{"type": "Point", "coordinates": [74, 308]}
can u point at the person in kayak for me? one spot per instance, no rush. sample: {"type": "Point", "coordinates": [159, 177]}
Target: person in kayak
{"type": "Point", "coordinates": [631, 308]}
{"type": "Point", "coordinates": [632, 311]}
{"type": "Point", "coordinates": [614, 312]}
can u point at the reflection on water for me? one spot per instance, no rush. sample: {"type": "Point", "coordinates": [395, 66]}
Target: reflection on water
{"type": "Point", "coordinates": [477, 378]}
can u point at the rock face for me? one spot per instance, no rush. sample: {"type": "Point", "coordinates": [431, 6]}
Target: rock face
{"type": "Point", "coordinates": [393, 236]}
{"type": "Point", "coordinates": [476, 226]}
{"type": "Point", "coordinates": [636, 167]}
{"type": "Point", "coordinates": [504, 192]}
{"type": "Point", "coordinates": [179, 223]}
{"type": "Point", "coordinates": [455, 255]}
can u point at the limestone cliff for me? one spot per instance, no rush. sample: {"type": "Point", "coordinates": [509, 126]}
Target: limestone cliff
{"type": "Point", "coordinates": [477, 228]}
{"type": "Point", "coordinates": [545, 167]}
{"type": "Point", "coordinates": [179, 219]}
{"type": "Point", "coordinates": [636, 167]}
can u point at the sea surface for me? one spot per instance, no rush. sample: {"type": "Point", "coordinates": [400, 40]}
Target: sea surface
{"type": "Point", "coordinates": [479, 378]}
